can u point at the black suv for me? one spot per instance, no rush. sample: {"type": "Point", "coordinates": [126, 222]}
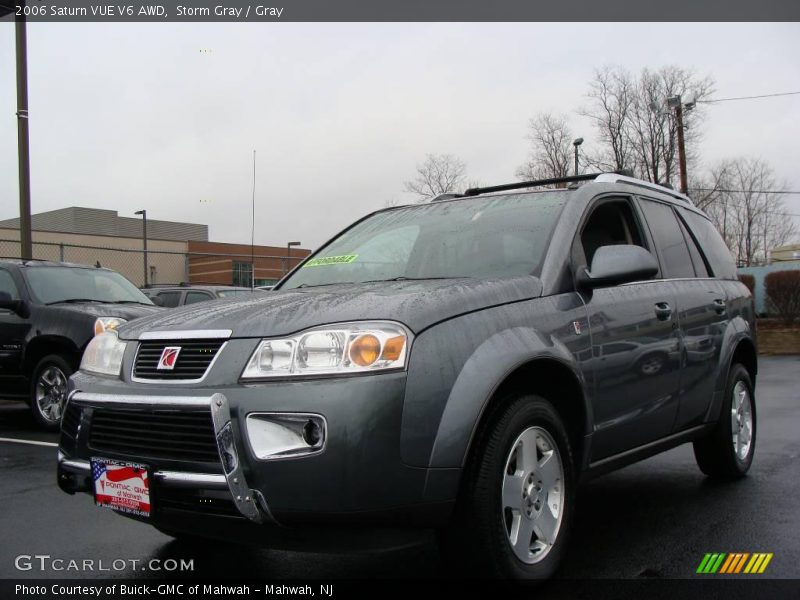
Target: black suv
{"type": "Point", "coordinates": [48, 313]}
{"type": "Point", "coordinates": [458, 365]}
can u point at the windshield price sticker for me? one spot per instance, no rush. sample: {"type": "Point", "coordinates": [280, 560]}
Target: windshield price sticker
{"type": "Point", "coordinates": [331, 260]}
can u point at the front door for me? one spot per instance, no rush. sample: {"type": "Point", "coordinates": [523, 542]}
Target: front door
{"type": "Point", "coordinates": [635, 359]}
{"type": "Point", "coordinates": [13, 331]}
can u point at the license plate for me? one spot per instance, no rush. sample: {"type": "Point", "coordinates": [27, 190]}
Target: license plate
{"type": "Point", "coordinates": [122, 486]}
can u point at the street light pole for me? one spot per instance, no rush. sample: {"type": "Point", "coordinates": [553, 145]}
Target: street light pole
{"type": "Point", "coordinates": [144, 240]}
{"type": "Point", "coordinates": [577, 144]}
{"type": "Point", "coordinates": [23, 146]}
{"type": "Point", "coordinates": [289, 254]}
{"type": "Point", "coordinates": [677, 103]}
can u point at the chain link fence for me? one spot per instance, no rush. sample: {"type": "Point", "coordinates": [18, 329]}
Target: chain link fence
{"type": "Point", "coordinates": [164, 267]}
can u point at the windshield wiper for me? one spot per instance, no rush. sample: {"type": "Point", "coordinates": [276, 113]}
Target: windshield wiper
{"type": "Point", "coordinates": [76, 301]}
{"type": "Point", "coordinates": [127, 302]}
{"type": "Point", "coordinates": [310, 285]}
{"type": "Point", "coordinates": [403, 278]}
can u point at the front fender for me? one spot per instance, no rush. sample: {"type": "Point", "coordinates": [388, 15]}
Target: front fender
{"type": "Point", "coordinates": [484, 372]}
{"type": "Point", "coordinates": [457, 366]}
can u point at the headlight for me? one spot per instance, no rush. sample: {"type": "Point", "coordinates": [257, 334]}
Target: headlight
{"type": "Point", "coordinates": [332, 349]}
{"type": "Point", "coordinates": [103, 355]}
{"type": "Point", "coordinates": [107, 324]}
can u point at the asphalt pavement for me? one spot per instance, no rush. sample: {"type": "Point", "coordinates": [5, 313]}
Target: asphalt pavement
{"type": "Point", "coordinates": [655, 519]}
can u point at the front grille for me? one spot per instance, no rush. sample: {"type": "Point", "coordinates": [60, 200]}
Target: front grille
{"type": "Point", "coordinates": [71, 420]}
{"type": "Point", "coordinates": [185, 436]}
{"type": "Point", "coordinates": [193, 360]}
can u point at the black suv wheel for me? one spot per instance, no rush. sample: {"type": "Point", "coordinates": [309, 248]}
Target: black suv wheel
{"type": "Point", "coordinates": [49, 390]}
{"type": "Point", "coordinates": [514, 513]}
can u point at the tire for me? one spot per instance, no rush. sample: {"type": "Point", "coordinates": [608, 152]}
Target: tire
{"type": "Point", "coordinates": [48, 393]}
{"type": "Point", "coordinates": [727, 452]}
{"type": "Point", "coordinates": [513, 517]}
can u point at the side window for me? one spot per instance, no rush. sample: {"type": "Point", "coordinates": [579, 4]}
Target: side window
{"type": "Point", "coordinates": [714, 248]}
{"type": "Point", "coordinates": [170, 299]}
{"type": "Point", "coordinates": [698, 261]}
{"type": "Point", "coordinates": [7, 285]}
{"type": "Point", "coordinates": [192, 297]}
{"type": "Point", "coordinates": [611, 223]}
{"type": "Point", "coordinates": [669, 239]}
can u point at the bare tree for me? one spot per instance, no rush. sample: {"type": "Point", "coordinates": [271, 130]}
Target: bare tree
{"type": "Point", "coordinates": [635, 128]}
{"type": "Point", "coordinates": [611, 95]}
{"type": "Point", "coordinates": [438, 174]}
{"type": "Point", "coordinates": [746, 210]}
{"type": "Point", "coordinates": [551, 148]}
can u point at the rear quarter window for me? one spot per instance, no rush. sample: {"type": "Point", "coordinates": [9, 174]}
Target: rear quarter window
{"type": "Point", "coordinates": [713, 246]}
{"type": "Point", "coordinates": [670, 241]}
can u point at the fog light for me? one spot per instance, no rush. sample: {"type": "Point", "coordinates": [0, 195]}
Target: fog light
{"type": "Point", "coordinates": [312, 434]}
{"type": "Point", "coordinates": [285, 435]}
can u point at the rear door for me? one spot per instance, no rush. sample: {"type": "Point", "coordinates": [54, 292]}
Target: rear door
{"type": "Point", "coordinates": [635, 360]}
{"type": "Point", "coordinates": [702, 312]}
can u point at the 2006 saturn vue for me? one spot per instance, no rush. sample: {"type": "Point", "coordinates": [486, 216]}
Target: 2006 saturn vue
{"type": "Point", "coordinates": [458, 365]}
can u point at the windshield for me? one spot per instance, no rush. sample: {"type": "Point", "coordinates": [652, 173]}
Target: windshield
{"type": "Point", "coordinates": [483, 237]}
{"type": "Point", "coordinates": [65, 284]}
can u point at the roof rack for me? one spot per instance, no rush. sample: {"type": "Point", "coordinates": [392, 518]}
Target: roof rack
{"type": "Point", "coordinates": [621, 176]}
{"type": "Point", "coordinates": [624, 178]}
{"type": "Point", "coordinates": [527, 184]}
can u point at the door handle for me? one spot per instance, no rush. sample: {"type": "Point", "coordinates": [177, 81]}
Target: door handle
{"type": "Point", "coordinates": [720, 307]}
{"type": "Point", "coordinates": [663, 311]}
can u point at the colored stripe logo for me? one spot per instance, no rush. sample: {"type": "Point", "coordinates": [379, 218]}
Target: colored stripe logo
{"type": "Point", "coordinates": [734, 563]}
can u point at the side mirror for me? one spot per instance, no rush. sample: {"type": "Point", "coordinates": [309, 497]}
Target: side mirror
{"type": "Point", "coordinates": [16, 306]}
{"type": "Point", "coordinates": [612, 265]}
{"type": "Point", "coordinates": [157, 300]}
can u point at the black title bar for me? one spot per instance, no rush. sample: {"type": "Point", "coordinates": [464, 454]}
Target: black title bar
{"type": "Point", "coordinates": [190, 11]}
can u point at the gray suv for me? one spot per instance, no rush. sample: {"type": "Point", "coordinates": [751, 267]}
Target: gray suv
{"type": "Point", "coordinates": [458, 365]}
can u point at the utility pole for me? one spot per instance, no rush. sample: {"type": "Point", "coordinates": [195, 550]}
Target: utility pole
{"type": "Point", "coordinates": [676, 103]}
{"type": "Point", "coordinates": [23, 147]}
{"type": "Point", "coordinates": [289, 255]}
{"type": "Point", "coordinates": [144, 241]}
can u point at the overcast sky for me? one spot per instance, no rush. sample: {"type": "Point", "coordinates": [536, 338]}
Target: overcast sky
{"type": "Point", "coordinates": [132, 116]}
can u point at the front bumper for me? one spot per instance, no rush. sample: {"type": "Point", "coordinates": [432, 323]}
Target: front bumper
{"type": "Point", "coordinates": [358, 480]}
{"type": "Point", "coordinates": [249, 502]}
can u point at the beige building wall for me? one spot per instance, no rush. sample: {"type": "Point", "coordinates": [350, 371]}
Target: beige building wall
{"type": "Point", "coordinates": [166, 259]}
{"type": "Point", "coordinates": [785, 253]}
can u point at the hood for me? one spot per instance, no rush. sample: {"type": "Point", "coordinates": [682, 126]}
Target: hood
{"type": "Point", "coordinates": [123, 311]}
{"type": "Point", "coordinates": [417, 304]}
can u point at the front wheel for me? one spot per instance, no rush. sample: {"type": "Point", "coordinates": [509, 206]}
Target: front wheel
{"type": "Point", "coordinates": [49, 391]}
{"type": "Point", "coordinates": [728, 451]}
{"type": "Point", "coordinates": [513, 516]}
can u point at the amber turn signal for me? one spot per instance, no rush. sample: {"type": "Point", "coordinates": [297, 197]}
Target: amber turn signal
{"type": "Point", "coordinates": [393, 348]}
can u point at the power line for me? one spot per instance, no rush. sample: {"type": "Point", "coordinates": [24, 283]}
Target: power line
{"type": "Point", "coordinates": [746, 191]}
{"type": "Point", "coordinates": [748, 97]}
{"type": "Point", "coordinates": [763, 211]}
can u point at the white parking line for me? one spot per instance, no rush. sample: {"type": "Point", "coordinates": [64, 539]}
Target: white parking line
{"type": "Point", "coordinates": [30, 442]}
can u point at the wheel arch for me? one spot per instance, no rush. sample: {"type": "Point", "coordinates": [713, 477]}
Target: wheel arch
{"type": "Point", "coordinates": [745, 353]}
{"type": "Point", "coordinates": [742, 349]}
{"type": "Point", "coordinates": [547, 374]}
{"type": "Point", "coordinates": [555, 381]}
{"type": "Point", "coordinates": [42, 346]}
